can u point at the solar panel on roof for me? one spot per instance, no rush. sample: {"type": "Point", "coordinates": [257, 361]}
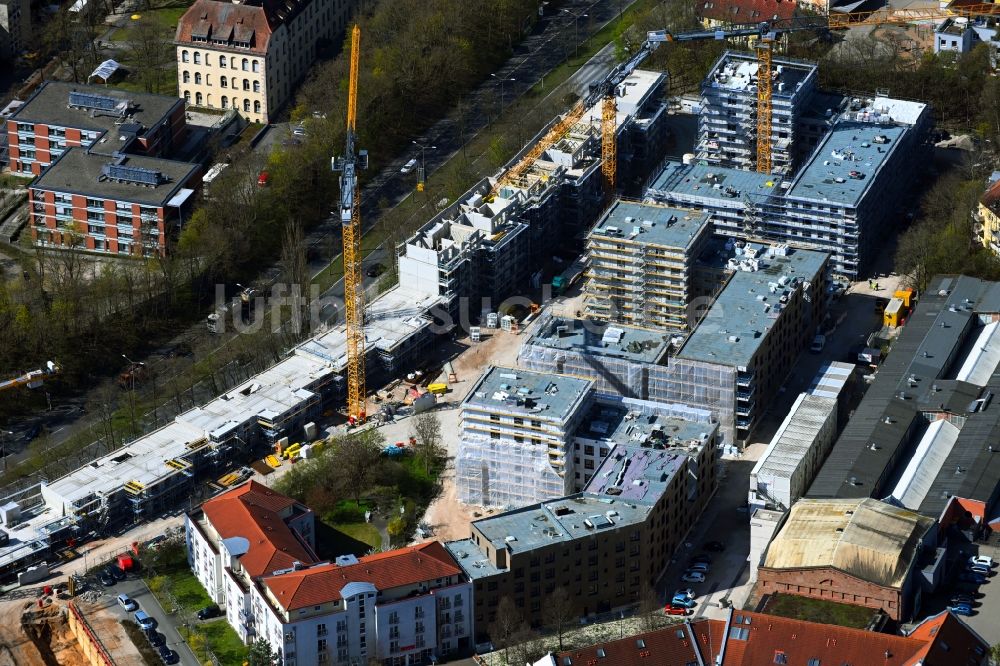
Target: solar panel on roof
{"type": "Point", "coordinates": [132, 174]}
{"type": "Point", "coordinates": [85, 100]}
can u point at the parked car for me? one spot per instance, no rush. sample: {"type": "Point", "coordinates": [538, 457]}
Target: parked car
{"type": "Point", "coordinates": [114, 572]}
{"type": "Point", "coordinates": [703, 557]}
{"type": "Point", "coordinates": [984, 560]}
{"type": "Point", "coordinates": [693, 577]}
{"type": "Point", "coordinates": [144, 620]}
{"type": "Point", "coordinates": [209, 612]}
{"type": "Point", "coordinates": [375, 270]}
{"type": "Point", "coordinates": [263, 179]}
{"type": "Point", "coordinates": [699, 566]}
{"type": "Point", "coordinates": [961, 609]}
{"type": "Point", "coordinates": [409, 166]}
{"type": "Point", "coordinates": [971, 577]}
{"type": "Point", "coordinates": [675, 610]}
{"type": "Point", "coordinates": [714, 546]}
{"type": "Point", "coordinates": [168, 656]}
{"type": "Point", "coordinates": [683, 601]}
{"type": "Point", "coordinates": [299, 130]}
{"type": "Point", "coordinates": [686, 592]}
{"type": "Point", "coordinates": [155, 638]}
{"type": "Point", "coordinates": [127, 602]}
{"type": "Point", "coordinates": [106, 579]}
{"type": "Point", "coordinates": [980, 569]}
{"type": "Point", "coordinates": [962, 599]}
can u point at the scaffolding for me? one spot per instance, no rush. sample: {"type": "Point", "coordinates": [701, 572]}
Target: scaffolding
{"type": "Point", "coordinates": [698, 384]}
{"type": "Point", "coordinates": [507, 474]}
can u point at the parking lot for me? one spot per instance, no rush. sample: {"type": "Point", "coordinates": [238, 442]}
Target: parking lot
{"type": "Point", "coordinates": [136, 589]}
{"type": "Point", "coordinates": [986, 607]}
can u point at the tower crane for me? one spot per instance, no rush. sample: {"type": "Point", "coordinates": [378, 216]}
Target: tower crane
{"type": "Point", "coordinates": [350, 220]}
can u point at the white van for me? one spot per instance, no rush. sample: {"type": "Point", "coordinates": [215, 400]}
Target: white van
{"type": "Point", "coordinates": [127, 603]}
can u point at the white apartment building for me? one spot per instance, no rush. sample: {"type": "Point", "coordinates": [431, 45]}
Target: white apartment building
{"type": "Point", "coordinates": [250, 56]}
{"type": "Point", "coordinates": [245, 533]}
{"type": "Point", "coordinates": [407, 606]}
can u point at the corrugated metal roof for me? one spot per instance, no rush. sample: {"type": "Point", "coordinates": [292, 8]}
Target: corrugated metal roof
{"type": "Point", "coordinates": [866, 538]}
{"type": "Point", "coordinates": [925, 464]}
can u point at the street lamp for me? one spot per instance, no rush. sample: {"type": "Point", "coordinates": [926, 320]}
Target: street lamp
{"type": "Point", "coordinates": [3, 446]}
{"type": "Point", "coordinates": [131, 371]}
{"type": "Point", "coordinates": [576, 30]}
{"type": "Point", "coordinates": [421, 176]}
{"type": "Point", "coordinates": [502, 81]}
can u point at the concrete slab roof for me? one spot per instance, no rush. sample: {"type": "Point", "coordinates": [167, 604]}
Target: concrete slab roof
{"type": "Point", "coordinates": [650, 224]}
{"type": "Point", "coordinates": [703, 181]}
{"type": "Point", "coordinates": [746, 308]}
{"type": "Point", "coordinates": [533, 394]}
{"type": "Point", "coordinates": [846, 162]}
{"type": "Point", "coordinates": [49, 105]}
{"type": "Point", "coordinates": [600, 339]}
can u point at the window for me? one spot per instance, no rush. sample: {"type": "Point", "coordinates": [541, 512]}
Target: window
{"type": "Point", "coordinates": [246, 64]}
{"type": "Point", "coordinates": [197, 99]}
{"type": "Point", "coordinates": [780, 657]}
{"type": "Point", "coordinates": [321, 629]}
{"type": "Point", "coordinates": [246, 105]}
{"type": "Point", "coordinates": [222, 62]}
{"type": "Point", "coordinates": [256, 106]}
{"type": "Point", "coordinates": [197, 58]}
{"type": "Point", "coordinates": [208, 79]}
{"type": "Point", "coordinates": [224, 82]}
{"type": "Point", "coordinates": [813, 662]}
{"type": "Point", "coordinates": [185, 77]}
{"type": "Point", "coordinates": [187, 96]}
{"type": "Point", "coordinates": [184, 56]}
{"type": "Point", "coordinates": [232, 63]}
{"type": "Point", "coordinates": [256, 86]}
{"type": "Point", "coordinates": [256, 65]}
{"type": "Point", "coordinates": [321, 645]}
{"type": "Point", "coordinates": [197, 78]}
{"type": "Point", "coordinates": [246, 84]}
{"type": "Point", "coordinates": [225, 101]}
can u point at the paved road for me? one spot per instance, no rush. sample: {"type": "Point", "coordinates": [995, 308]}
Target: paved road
{"type": "Point", "coordinates": [136, 588]}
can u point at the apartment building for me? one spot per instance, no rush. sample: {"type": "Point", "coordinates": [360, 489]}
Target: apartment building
{"type": "Point", "coordinates": [641, 257]}
{"type": "Point", "coordinates": [59, 116]}
{"type": "Point", "coordinates": [15, 28]}
{"type": "Point", "coordinates": [249, 57]}
{"type": "Point", "coordinates": [758, 325]}
{"type": "Point", "coordinates": [515, 429]}
{"type": "Point", "coordinates": [402, 607]}
{"type": "Point", "coordinates": [605, 546]}
{"type": "Point", "coordinates": [246, 532]}
{"type": "Point", "coordinates": [490, 245]}
{"type": "Point", "coordinates": [727, 125]}
{"type": "Point", "coordinates": [117, 204]}
{"type": "Point", "coordinates": [989, 217]}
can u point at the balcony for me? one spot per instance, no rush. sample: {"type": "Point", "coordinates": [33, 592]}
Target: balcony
{"type": "Point", "coordinates": [745, 410]}
{"type": "Point", "coordinates": [745, 379]}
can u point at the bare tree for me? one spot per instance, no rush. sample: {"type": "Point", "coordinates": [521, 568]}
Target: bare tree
{"type": "Point", "coordinates": [558, 612]}
{"type": "Point", "coordinates": [426, 429]}
{"type": "Point", "coordinates": [650, 610]}
{"type": "Point", "coordinates": [149, 54]}
{"type": "Point", "coordinates": [504, 629]}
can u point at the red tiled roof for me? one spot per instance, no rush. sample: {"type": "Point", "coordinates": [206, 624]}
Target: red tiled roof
{"type": "Point", "coordinates": [768, 635]}
{"type": "Point", "coordinates": [226, 21]}
{"type": "Point", "coordinates": [252, 511]}
{"type": "Point", "coordinates": [948, 641]}
{"type": "Point", "coordinates": [993, 194]}
{"type": "Point", "coordinates": [396, 568]}
{"type": "Point", "coordinates": [746, 11]}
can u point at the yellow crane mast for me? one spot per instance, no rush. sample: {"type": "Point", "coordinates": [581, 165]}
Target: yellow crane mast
{"type": "Point", "coordinates": [609, 143]}
{"type": "Point", "coordinates": [350, 218]}
{"type": "Point", "coordinates": [763, 49]}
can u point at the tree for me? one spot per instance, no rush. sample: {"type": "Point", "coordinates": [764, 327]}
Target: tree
{"type": "Point", "coordinates": [148, 53]}
{"type": "Point", "coordinates": [426, 429]}
{"type": "Point", "coordinates": [508, 622]}
{"type": "Point", "coordinates": [650, 610]}
{"type": "Point", "coordinates": [357, 455]}
{"type": "Point", "coordinates": [558, 612]}
{"type": "Point", "coordinates": [260, 653]}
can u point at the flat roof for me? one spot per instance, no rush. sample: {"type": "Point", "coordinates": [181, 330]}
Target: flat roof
{"type": "Point", "coordinates": [79, 171]}
{"type": "Point", "coordinates": [650, 224]}
{"type": "Point", "coordinates": [737, 71]}
{"type": "Point", "coordinates": [743, 313]}
{"type": "Point", "coordinates": [596, 338]}
{"type": "Point", "coordinates": [644, 423]}
{"type": "Point", "coordinates": [49, 105]}
{"type": "Point", "coordinates": [831, 379]}
{"type": "Point", "coordinates": [711, 182]}
{"type": "Point", "coordinates": [540, 395]}
{"type": "Point", "coordinates": [849, 147]}
{"type": "Point", "coordinates": [636, 474]}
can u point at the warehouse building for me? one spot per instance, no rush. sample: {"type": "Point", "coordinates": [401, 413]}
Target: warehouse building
{"type": "Point", "coordinates": [727, 124]}
{"type": "Point", "coordinates": [856, 551]}
{"type": "Point", "coordinates": [921, 434]}
{"type": "Point", "coordinates": [641, 257]}
{"type": "Point", "coordinates": [628, 521]}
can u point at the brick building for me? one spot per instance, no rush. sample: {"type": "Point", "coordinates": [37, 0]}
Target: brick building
{"type": "Point", "coordinates": [859, 552]}
{"type": "Point", "coordinates": [110, 203]}
{"type": "Point", "coordinates": [61, 115]}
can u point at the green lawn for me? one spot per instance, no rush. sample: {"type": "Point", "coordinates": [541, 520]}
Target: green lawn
{"type": "Point", "coordinates": [167, 574]}
{"type": "Point", "coordinates": [364, 532]}
{"type": "Point", "coordinates": [219, 638]}
{"type": "Point", "coordinates": [819, 610]}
